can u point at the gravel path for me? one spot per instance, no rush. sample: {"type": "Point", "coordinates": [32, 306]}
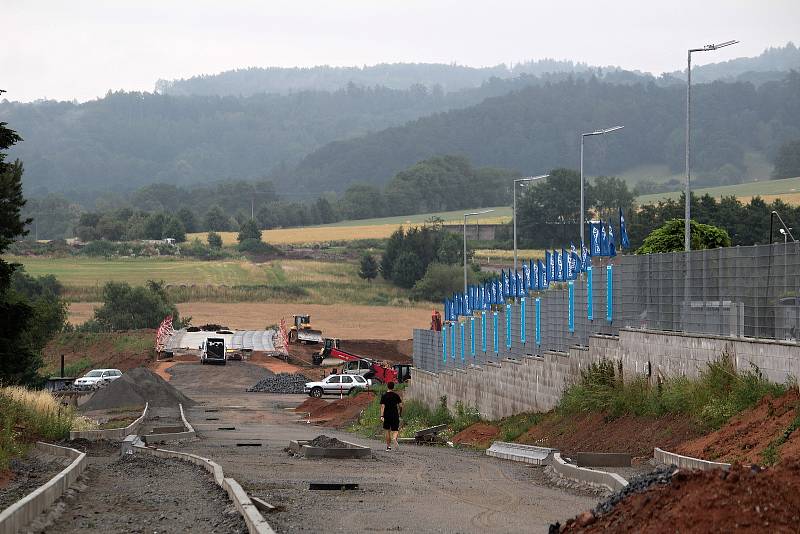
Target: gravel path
{"type": "Point", "coordinates": [145, 494]}
{"type": "Point", "coordinates": [30, 472]}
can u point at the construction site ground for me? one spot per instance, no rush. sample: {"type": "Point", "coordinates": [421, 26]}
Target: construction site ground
{"type": "Point", "coordinates": [413, 489]}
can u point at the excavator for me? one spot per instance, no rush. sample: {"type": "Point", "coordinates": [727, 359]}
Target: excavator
{"type": "Point", "coordinates": [302, 331]}
{"type": "Point", "coordinates": [355, 364]}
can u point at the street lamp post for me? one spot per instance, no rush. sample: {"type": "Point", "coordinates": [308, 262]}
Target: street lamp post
{"type": "Point", "coordinates": [583, 208]}
{"type": "Point", "coordinates": [687, 243]}
{"type": "Point", "coordinates": [465, 242]}
{"type": "Point", "coordinates": [514, 212]}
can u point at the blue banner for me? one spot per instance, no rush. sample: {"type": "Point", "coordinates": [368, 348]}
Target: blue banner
{"type": "Point", "coordinates": [585, 258]}
{"type": "Point", "coordinates": [589, 293]}
{"type": "Point", "coordinates": [444, 343]}
{"type": "Point", "coordinates": [472, 336]}
{"type": "Point", "coordinates": [520, 290]}
{"type": "Point", "coordinates": [496, 333]}
{"type": "Point", "coordinates": [534, 268]}
{"type": "Point", "coordinates": [595, 249]}
{"type": "Point", "coordinates": [507, 285]}
{"type": "Point", "coordinates": [571, 307]}
{"type": "Point", "coordinates": [548, 262]}
{"type": "Point", "coordinates": [483, 331]}
{"type": "Point", "coordinates": [623, 232]}
{"type": "Point", "coordinates": [522, 336]}
{"type": "Point", "coordinates": [538, 333]}
{"type": "Point", "coordinates": [526, 278]}
{"type": "Point", "coordinates": [556, 266]}
{"type": "Point", "coordinates": [461, 328]}
{"type": "Point", "coordinates": [543, 280]}
{"type": "Point", "coordinates": [603, 239]}
{"type": "Point", "coordinates": [609, 293]}
{"type": "Point", "coordinates": [564, 265]}
{"type": "Point", "coordinates": [612, 246]}
{"type": "Point", "coordinates": [508, 326]}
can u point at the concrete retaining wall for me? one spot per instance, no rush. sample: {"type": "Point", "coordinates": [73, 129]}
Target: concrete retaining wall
{"type": "Point", "coordinates": [611, 481]}
{"type": "Point", "coordinates": [14, 518]}
{"type": "Point", "coordinates": [686, 462]}
{"type": "Point", "coordinates": [113, 434]}
{"type": "Point", "coordinates": [535, 383]}
{"type": "Point", "coordinates": [256, 524]}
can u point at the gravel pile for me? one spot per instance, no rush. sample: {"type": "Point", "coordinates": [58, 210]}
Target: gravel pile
{"type": "Point", "coordinates": [327, 442]}
{"type": "Point", "coordinates": [281, 383]}
{"type": "Point", "coordinates": [134, 388]}
{"type": "Point", "coordinates": [638, 484]}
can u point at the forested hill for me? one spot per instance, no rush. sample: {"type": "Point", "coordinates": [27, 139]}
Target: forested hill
{"type": "Point", "coordinates": [325, 78]}
{"type": "Point", "coordinates": [537, 128]}
{"type": "Point", "coordinates": [770, 65]}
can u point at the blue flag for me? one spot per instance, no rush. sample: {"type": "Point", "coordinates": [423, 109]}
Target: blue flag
{"type": "Point", "coordinates": [526, 278]}
{"type": "Point", "coordinates": [596, 248]}
{"type": "Point", "coordinates": [446, 309]}
{"type": "Point", "coordinates": [577, 266]}
{"type": "Point", "coordinates": [502, 284]}
{"type": "Point", "coordinates": [534, 270]}
{"type": "Point", "coordinates": [520, 288]}
{"type": "Point", "coordinates": [603, 240]}
{"type": "Point", "coordinates": [548, 264]}
{"type": "Point", "coordinates": [623, 232]}
{"type": "Point", "coordinates": [544, 281]}
{"type": "Point", "coordinates": [612, 246]}
{"type": "Point", "coordinates": [556, 266]}
{"type": "Point", "coordinates": [497, 292]}
{"type": "Point", "coordinates": [585, 258]}
{"type": "Point", "coordinates": [564, 265]}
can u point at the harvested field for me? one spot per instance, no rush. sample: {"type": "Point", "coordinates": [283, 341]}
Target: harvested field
{"type": "Point", "coordinates": [742, 500]}
{"type": "Point", "coordinates": [746, 437]}
{"type": "Point", "coordinates": [342, 321]}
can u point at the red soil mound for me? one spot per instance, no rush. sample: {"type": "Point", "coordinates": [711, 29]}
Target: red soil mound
{"type": "Point", "coordinates": [342, 412]}
{"type": "Point", "coordinates": [480, 435]}
{"type": "Point", "coordinates": [595, 432]}
{"type": "Point", "coordinates": [310, 405]}
{"type": "Point", "coordinates": [744, 438]}
{"type": "Point", "coordinates": [708, 501]}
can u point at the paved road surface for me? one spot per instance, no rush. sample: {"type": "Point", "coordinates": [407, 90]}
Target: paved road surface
{"type": "Point", "coordinates": [416, 489]}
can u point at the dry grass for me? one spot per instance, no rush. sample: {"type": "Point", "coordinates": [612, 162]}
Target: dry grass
{"type": "Point", "coordinates": [484, 255]}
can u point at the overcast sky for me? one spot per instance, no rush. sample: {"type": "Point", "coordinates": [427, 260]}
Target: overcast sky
{"type": "Point", "coordinates": [79, 49]}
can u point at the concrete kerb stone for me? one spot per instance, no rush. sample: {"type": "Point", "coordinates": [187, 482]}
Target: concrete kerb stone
{"type": "Point", "coordinates": [686, 462]}
{"type": "Point", "coordinates": [516, 452]}
{"type": "Point", "coordinates": [14, 518]}
{"type": "Point", "coordinates": [173, 436]}
{"type": "Point", "coordinates": [256, 524]}
{"type": "Point", "coordinates": [116, 434]}
{"type": "Point", "coordinates": [611, 481]}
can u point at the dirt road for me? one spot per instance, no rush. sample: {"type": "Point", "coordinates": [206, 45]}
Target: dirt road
{"type": "Point", "coordinates": [415, 489]}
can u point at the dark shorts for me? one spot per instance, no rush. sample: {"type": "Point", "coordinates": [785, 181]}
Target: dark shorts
{"type": "Point", "coordinates": [391, 423]}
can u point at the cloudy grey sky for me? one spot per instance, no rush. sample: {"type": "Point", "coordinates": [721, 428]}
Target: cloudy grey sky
{"type": "Point", "coordinates": [79, 49]}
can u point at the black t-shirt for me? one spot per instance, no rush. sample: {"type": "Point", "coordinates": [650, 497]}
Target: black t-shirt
{"type": "Point", "coordinates": [391, 400]}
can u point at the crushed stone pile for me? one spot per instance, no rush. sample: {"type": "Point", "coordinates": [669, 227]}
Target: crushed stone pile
{"type": "Point", "coordinates": [135, 388]}
{"type": "Point", "coordinates": [327, 442]}
{"type": "Point", "coordinates": [744, 499]}
{"type": "Point", "coordinates": [281, 383]}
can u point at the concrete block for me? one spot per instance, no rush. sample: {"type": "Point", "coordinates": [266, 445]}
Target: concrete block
{"type": "Point", "coordinates": [603, 459]}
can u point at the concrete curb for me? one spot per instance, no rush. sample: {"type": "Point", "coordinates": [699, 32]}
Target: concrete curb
{"type": "Point", "coordinates": [612, 481]}
{"type": "Point", "coordinates": [14, 518]}
{"type": "Point", "coordinates": [516, 452]}
{"type": "Point", "coordinates": [687, 462]}
{"type": "Point", "coordinates": [173, 436]}
{"type": "Point", "coordinates": [256, 524]}
{"type": "Point", "coordinates": [117, 434]}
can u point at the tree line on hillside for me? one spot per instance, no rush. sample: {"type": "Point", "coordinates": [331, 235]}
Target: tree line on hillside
{"type": "Point", "coordinates": [539, 127]}
{"type": "Point", "coordinates": [161, 211]}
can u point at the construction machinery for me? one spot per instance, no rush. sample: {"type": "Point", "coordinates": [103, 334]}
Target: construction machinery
{"type": "Point", "coordinates": [360, 365]}
{"type": "Point", "coordinates": [302, 331]}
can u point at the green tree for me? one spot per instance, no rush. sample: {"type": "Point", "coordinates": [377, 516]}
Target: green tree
{"type": "Point", "coordinates": [670, 237]}
{"type": "Point", "coordinates": [128, 308]}
{"type": "Point", "coordinates": [442, 280]}
{"type": "Point", "coordinates": [369, 267]}
{"type": "Point", "coordinates": [19, 363]}
{"type": "Point", "coordinates": [188, 219]}
{"type": "Point", "coordinates": [173, 228]}
{"type": "Point", "coordinates": [249, 230]}
{"type": "Point", "coordinates": [154, 225]}
{"type": "Point", "coordinates": [324, 211]}
{"type": "Point", "coordinates": [451, 249]}
{"type": "Point", "coordinates": [607, 194]}
{"type": "Point", "coordinates": [216, 220]}
{"type": "Point", "coordinates": [407, 269]}
{"type": "Point", "coordinates": [214, 240]}
{"type": "Point", "coordinates": [787, 162]}
{"type": "Point", "coordinates": [110, 228]}
{"type": "Point", "coordinates": [548, 212]}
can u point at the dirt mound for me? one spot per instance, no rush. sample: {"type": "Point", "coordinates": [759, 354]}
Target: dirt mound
{"type": "Point", "coordinates": [742, 500]}
{"type": "Point", "coordinates": [310, 404]}
{"type": "Point", "coordinates": [328, 443]}
{"type": "Point", "coordinates": [596, 432]}
{"type": "Point", "coordinates": [136, 387]}
{"type": "Point", "coordinates": [378, 349]}
{"type": "Point", "coordinates": [745, 437]}
{"type": "Point", "coordinates": [479, 435]}
{"type": "Point", "coordinates": [114, 350]}
{"type": "Point", "coordinates": [342, 412]}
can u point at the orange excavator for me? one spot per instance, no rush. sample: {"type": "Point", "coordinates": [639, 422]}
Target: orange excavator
{"type": "Point", "coordinates": [355, 364]}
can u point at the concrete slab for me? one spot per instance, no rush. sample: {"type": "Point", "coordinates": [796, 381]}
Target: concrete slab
{"type": "Point", "coordinates": [529, 454]}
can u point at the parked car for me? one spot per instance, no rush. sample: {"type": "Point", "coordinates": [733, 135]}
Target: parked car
{"type": "Point", "coordinates": [336, 385]}
{"type": "Point", "coordinates": [97, 378]}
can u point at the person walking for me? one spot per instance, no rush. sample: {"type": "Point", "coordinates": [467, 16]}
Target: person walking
{"type": "Point", "coordinates": [391, 410]}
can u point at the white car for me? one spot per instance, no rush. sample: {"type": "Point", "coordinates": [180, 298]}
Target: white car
{"type": "Point", "coordinates": [97, 378]}
{"type": "Point", "coordinates": [336, 385]}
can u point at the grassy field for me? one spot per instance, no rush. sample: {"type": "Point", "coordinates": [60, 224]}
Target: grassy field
{"type": "Point", "coordinates": [787, 190]}
{"type": "Point", "coordinates": [361, 229]}
{"type": "Point", "coordinates": [483, 256]}
{"type": "Point", "coordinates": [221, 281]}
